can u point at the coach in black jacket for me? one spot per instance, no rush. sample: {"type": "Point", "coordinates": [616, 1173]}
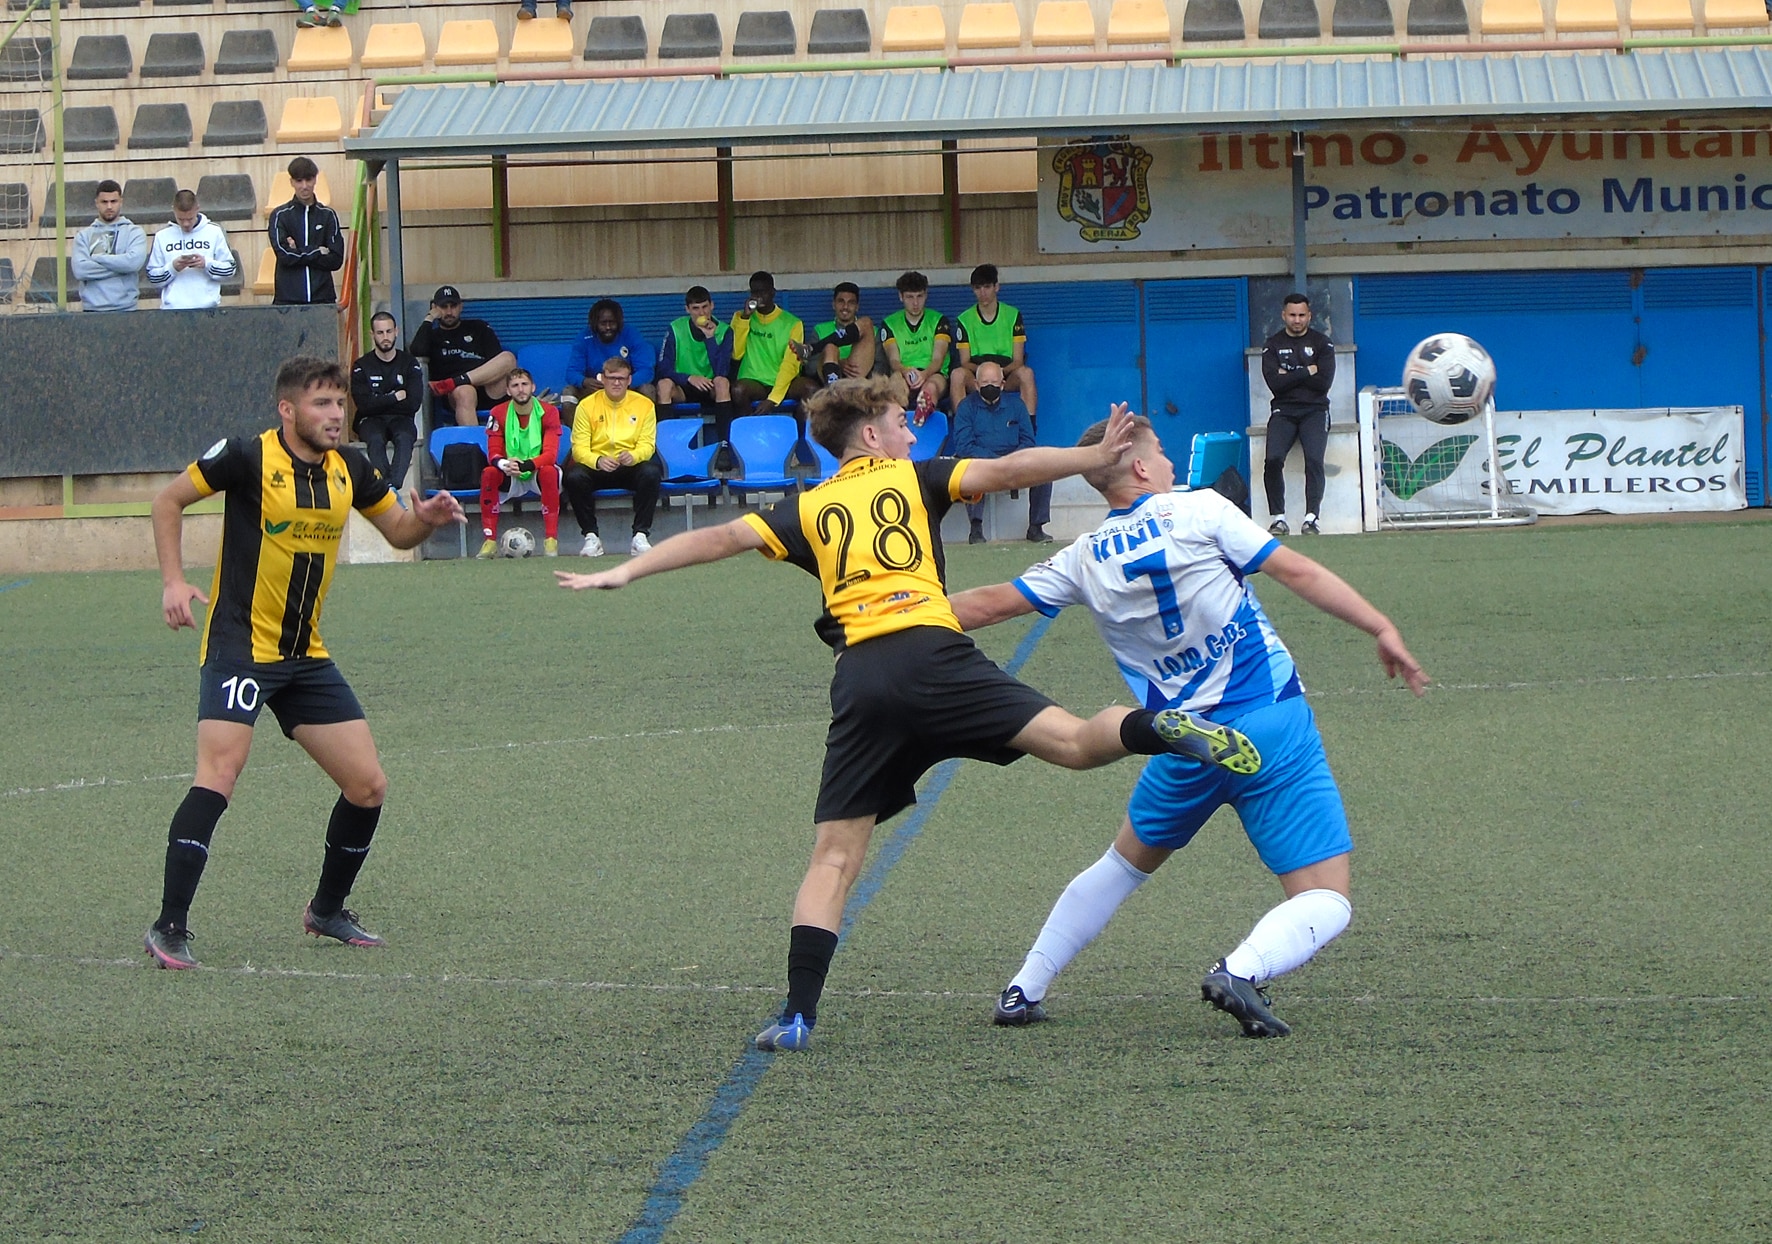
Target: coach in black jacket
{"type": "Point", "coordinates": [305, 234]}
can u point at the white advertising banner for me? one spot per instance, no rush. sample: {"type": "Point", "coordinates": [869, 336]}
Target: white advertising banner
{"type": "Point", "coordinates": [1670, 177]}
{"type": "Point", "coordinates": [1624, 461]}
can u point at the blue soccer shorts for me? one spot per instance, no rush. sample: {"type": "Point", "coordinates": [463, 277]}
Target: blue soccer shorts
{"type": "Point", "coordinates": [1290, 808]}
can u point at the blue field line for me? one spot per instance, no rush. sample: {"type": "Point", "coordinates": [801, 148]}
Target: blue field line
{"type": "Point", "coordinates": [690, 1158]}
{"type": "Point", "coordinates": [7, 587]}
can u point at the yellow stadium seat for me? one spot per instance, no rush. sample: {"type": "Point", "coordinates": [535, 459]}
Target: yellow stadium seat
{"type": "Point", "coordinates": [1064, 24]}
{"type": "Point", "coordinates": [1600, 16]}
{"type": "Point", "coordinates": [990, 26]}
{"type": "Point", "coordinates": [541, 40]}
{"type": "Point", "coordinates": [281, 191]}
{"type": "Point", "coordinates": [1138, 21]}
{"type": "Point", "coordinates": [914, 28]}
{"type": "Point", "coordinates": [394, 45]}
{"type": "Point", "coordinates": [312, 120]}
{"type": "Point", "coordinates": [1660, 15]}
{"type": "Point", "coordinates": [1512, 17]}
{"type": "Point", "coordinates": [320, 48]}
{"type": "Point", "coordinates": [1734, 14]}
{"type": "Point", "coordinates": [468, 43]}
{"type": "Point", "coordinates": [266, 280]}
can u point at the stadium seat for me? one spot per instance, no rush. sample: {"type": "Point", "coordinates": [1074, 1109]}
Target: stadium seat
{"type": "Point", "coordinates": [930, 437]}
{"type": "Point", "coordinates": [110, 4]}
{"type": "Point", "coordinates": [685, 467]}
{"type": "Point", "coordinates": [394, 45]}
{"type": "Point", "coordinates": [320, 49]}
{"type": "Point", "coordinates": [310, 119]}
{"type": "Point", "coordinates": [1734, 14]}
{"type": "Point", "coordinates": [762, 444]}
{"type": "Point", "coordinates": [21, 131]}
{"type": "Point", "coordinates": [989, 26]}
{"type": "Point", "coordinates": [1512, 17]}
{"type": "Point", "coordinates": [1138, 21]}
{"type": "Point", "coordinates": [541, 42]}
{"type": "Point", "coordinates": [247, 51]}
{"type": "Point", "coordinates": [226, 196]}
{"type": "Point", "coordinates": [42, 286]}
{"type": "Point", "coordinates": [236, 123]}
{"type": "Point", "coordinates": [616, 38]}
{"type": "Point", "coordinates": [25, 60]}
{"type": "Point", "coordinates": [1582, 16]}
{"type": "Point", "coordinates": [15, 205]}
{"type": "Point", "coordinates": [824, 463]}
{"type": "Point", "coordinates": [1064, 24]}
{"type": "Point", "coordinates": [836, 31]}
{"type": "Point", "coordinates": [1660, 15]}
{"type": "Point", "coordinates": [281, 191]}
{"type": "Point", "coordinates": [1363, 19]}
{"type": "Point", "coordinates": [80, 211]}
{"type": "Point", "coordinates": [1288, 19]}
{"type": "Point", "coordinates": [100, 57]}
{"type": "Point", "coordinates": [266, 281]}
{"type": "Point", "coordinates": [690, 36]}
{"type": "Point", "coordinates": [473, 42]}
{"type": "Point", "coordinates": [441, 439]}
{"type": "Point", "coordinates": [765, 34]}
{"type": "Point", "coordinates": [1212, 21]}
{"type": "Point", "coordinates": [90, 129]}
{"type": "Point", "coordinates": [8, 279]}
{"type": "Point", "coordinates": [1438, 17]}
{"type": "Point", "coordinates": [160, 125]}
{"type": "Point", "coordinates": [545, 360]}
{"type": "Point", "coordinates": [914, 28]}
{"type": "Point", "coordinates": [147, 200]}
{"type": "Point", "coordinates": [173, 54]}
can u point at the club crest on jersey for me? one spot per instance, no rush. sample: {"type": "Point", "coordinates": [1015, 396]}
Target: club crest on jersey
{"type": "Point", "coordinates": [338, 477]}
{"type": "Point", "coordinates": [1103, 189]}
{"type": "Point", "coordinates": [278, 479]}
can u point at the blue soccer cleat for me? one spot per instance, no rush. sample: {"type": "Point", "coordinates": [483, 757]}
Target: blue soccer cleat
{"type": "Point", "coordinates": [1206, 741]}
{"type": "Point", "coordinates": [786, 1034]}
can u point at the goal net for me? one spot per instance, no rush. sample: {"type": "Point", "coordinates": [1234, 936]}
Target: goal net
{"type": "Point", "coordinates": [1418, 473]}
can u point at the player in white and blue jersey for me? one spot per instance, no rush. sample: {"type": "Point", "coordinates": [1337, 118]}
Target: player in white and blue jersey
{"type": "Point", "coordinates": [1165, 578]}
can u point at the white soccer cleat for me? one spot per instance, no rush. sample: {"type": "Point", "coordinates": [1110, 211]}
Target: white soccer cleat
{"type": "Point", "coordinates": [640, 545]}
{"type": "Point", "coordinates": [593, 546]}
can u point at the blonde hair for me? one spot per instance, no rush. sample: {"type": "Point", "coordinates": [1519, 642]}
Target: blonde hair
{"type": "Point", "coordinates": [1103, 478]}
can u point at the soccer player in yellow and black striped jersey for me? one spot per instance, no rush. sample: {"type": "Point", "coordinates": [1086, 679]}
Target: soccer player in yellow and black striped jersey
{"type": "Point", "coordinates": [289, 492]}
{"type": "Point", "coordinates": [909, 690]}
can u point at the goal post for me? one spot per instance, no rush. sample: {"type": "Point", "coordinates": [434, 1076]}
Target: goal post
{"type": "Point", "coordinates": [1415, 473]}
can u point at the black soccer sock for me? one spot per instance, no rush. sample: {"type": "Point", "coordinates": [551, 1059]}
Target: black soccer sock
{"type": "Point", "coordinates": [347, 846]}
{"type": "Point", "coordinates": [832, 372]}
{"type": "Point", "coordinates": [1139, 736]}
{"type": "Point", "coordinates": [187, 851]}
{"type": "Point", "coordinates": [809, 960]}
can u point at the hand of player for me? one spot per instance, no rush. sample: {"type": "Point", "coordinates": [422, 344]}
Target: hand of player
{"type": "Point", "coordinates": [1397, 661]}
{"type": "Point", "coordinates": [701, 384]}
{"type": "Point", "coordinates": [606, 463]}
{"type": "Point", "coordinates": [509, 467]}
{"type": "Point", "coordinates": [625, 458]}
{"type": "Point", "coordinates": [175, 602]}
{"type": "Point", "coordinates": [913, 379]}
{"type": "Point", "coordinates": [1116, 439]}
{"type": "Point", "coordinates": [436, 510]}
{"type": "Point", "coordinates": [603, 580]}
{"type": "Point", "coordinates": [765, 406]}
{"type": "Point", "coordinates": [399, 395]}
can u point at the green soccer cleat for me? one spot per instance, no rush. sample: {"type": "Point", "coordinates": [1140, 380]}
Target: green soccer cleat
{"type": "Point", "coordinates": [170, 948]}
{"type": "Point", "coordinates": [1241, 999]}
{"type": "Point", "coordinates": [1207, 742]}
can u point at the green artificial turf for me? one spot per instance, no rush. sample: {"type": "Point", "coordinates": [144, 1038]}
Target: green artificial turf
{"type": "Point", "coordinates": [1548, 1020]}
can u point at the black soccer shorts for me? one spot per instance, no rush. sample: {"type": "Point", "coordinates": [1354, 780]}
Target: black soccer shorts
{"type": "Point", "coordinates": [302, 691]}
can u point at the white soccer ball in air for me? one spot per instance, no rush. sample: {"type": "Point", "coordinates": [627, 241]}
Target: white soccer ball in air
{"type": "Point", "coordinates": [1449, 378]}
{"type": "Point", "coordinates": [516, 542]}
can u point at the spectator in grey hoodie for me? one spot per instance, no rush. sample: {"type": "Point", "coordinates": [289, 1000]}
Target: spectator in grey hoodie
{"type": "Point", "coordinates": [108, 254]}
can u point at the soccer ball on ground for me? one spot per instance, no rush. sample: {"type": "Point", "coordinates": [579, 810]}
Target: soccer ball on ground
{"type": "Point", "coordinates": [1449, 378]}
{"type": "Point", "coordinates": [516, 542]}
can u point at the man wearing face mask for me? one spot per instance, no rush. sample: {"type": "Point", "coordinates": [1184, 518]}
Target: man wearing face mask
{"type": "Point", "coordinates": [990, 423]}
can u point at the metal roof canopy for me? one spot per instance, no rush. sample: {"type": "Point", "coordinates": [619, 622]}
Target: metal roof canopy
{"type": "Point", "coordinates": [787, 109]}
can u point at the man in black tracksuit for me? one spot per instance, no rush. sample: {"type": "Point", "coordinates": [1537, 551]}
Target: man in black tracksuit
{"type": "Point", "coordinates": [306, 237]}
{"type": "Point", "coordinates": [387, 388]}
{"type": "Point", "coordinates": [1298, 363]}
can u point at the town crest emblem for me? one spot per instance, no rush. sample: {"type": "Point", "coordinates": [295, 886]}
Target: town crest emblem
{"type": "Point", "coordinates": [1103, 190]}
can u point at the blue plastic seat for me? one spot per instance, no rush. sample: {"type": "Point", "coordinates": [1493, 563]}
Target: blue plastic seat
{"type": "Point", "coordinates": [930, 437]}
{"type": "Point", "coordinates": [443, 438]}
{"type": "Point", "coordinates": [546, 361]}
{"type": "Point", "coordinates": [762, 444]}
{"type": "Point", "coordinates": [685, 465]}
{"type": "Point", "coordinates": [825, 462]}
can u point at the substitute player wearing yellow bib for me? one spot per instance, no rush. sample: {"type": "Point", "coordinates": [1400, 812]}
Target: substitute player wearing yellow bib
{"type": "Point", "coordinates": [910, 690]}
{"type": "Point", "coordinates": [289, 494]}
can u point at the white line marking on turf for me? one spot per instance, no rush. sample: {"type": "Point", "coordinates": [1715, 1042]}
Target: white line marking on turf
{"type": "Point", "coordinates": [523, 982]}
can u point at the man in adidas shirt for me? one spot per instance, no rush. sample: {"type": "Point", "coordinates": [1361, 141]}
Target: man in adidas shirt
{"type": "Point", "coordinates": [1165, 579]}
{"type": "Point", "coordinates": [190, 259]}
{"type": "Point", "coordinates": [309, 245]}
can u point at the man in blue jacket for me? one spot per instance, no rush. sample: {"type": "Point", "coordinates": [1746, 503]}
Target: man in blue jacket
{"type": "Point", "coordinates": [309, 244]}
{"type": "Point", "coordinates": [990, 423]}
{"type": "Point", "coordinates": [606, 336]}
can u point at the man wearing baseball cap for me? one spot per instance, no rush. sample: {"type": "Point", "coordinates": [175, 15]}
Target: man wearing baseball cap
{"type": "Point", "coordinates": [468, 366]}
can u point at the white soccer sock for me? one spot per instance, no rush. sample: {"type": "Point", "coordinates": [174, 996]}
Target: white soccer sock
{"type": "Point", "coordinates": [1290, 934]}
{"type": "Point", "coordinates": [1081, 912]}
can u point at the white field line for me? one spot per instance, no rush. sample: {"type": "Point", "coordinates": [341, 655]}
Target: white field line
{"type": "Point", "coordinates": [140, 962]}
{"type": "Point", "coordinates": [73, 785]}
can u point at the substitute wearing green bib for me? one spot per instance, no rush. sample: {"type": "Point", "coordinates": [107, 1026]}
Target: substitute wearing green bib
{"type": "Point", "coordinates": [989, 342]}
{"type": "Point", "coordinates": [990, 331]}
